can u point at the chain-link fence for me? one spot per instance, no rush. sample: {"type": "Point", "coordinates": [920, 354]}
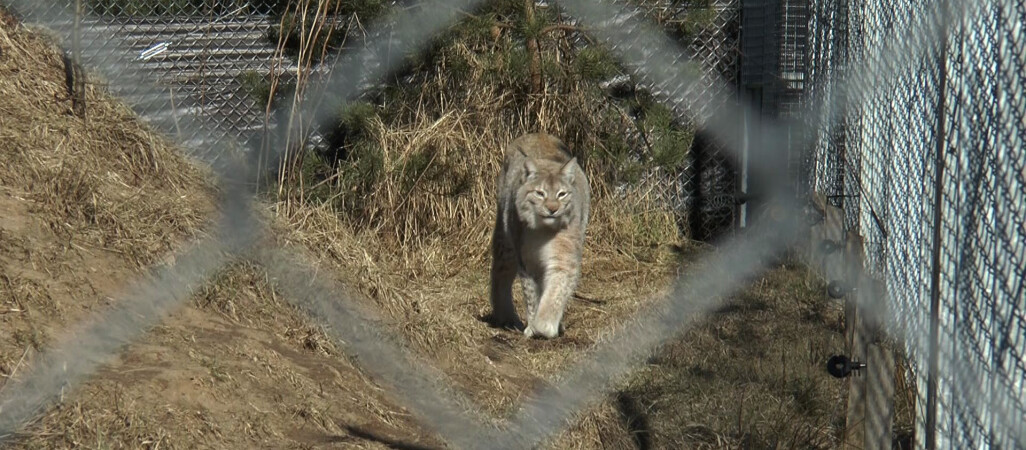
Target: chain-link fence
{"type": "Point", "coordinates": [926, 159]}
{"type": "Point", "coordinates": [201, 51]}
{"type": "Point", "coordinates": [704, 192]}
{"type": "Point", "coordinates": [211, 54]}
{"type": "Point", "coordinates": [773, 74]}
{"type": "Point", "coordinates": [419, 388]}
{"type": "Point", "coordinates": [958, 107]}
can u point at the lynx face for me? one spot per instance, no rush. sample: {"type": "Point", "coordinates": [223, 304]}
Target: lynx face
{"type": "Point", "coordinates": [547, 196]}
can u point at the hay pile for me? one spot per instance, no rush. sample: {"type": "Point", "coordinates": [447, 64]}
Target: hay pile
{"type": "Point", "coordinates": [103, 180]}
{"type": "Point", "coordinates": [78, 193]}
{"type": "Point", "coordinates": [88, 204]}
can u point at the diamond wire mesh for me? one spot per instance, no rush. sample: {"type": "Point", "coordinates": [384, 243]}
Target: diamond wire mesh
{"type": "Point", "coordinates": [984, 318]}
{"type": "Point", "coordinates": [823, 170]}
{"type": "Point", "coordinates": [984, 215]}
{"type": "Point", "coordinates": [746, 258]}
{"type": "Point", "coordinates": [145, 302]}
{"type": "Point", "coordinates": [720, 277]}
{"type": "Point", "coordinates": [200, 50]}
{"type": "Point", "coordinates": [703, 191]}
{"type": "Point", "coordinates": [878, 159]}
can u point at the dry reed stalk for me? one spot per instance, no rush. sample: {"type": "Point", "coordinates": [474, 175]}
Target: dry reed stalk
{"type": "Point", "coordinates": [315, 32]}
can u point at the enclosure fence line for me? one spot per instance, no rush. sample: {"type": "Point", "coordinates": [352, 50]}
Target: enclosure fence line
{"type": "Point", "coordinates": [543, 413]}
{"type": "Point", "coordinates": [928, 163]}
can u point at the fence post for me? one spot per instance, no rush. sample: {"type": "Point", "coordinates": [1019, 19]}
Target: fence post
{"type": "Point", "coordinates": [879, 397]}
{"type": "Point", "coordinates": [857, 343]}
{"type": "Point", "coordinates": [938, 200]}
{"type": "Point", "coordinates": [870, 398]}
{"type": "Point", "coordinates": [880, 366]}
{"type": "Point", "coordinates": [74, 72]}
{"type": "Point", "coordinates": [870, 413]}
{"type": "Point", "coordinates": [855, 417]}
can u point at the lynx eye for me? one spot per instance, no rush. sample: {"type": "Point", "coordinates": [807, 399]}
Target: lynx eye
{"type": "Point", "coordinates": [563, 194]}
{"type": "Point", "coordinates": [539, 193]}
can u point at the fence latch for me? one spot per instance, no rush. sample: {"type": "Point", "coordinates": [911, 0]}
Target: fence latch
{"type": "Point", "coordinates": [841, 366]}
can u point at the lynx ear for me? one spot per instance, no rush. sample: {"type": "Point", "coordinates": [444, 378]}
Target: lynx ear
{"type": "Point", "coordinates": [530, 168]}
{"type": "Point", "coordinates": [567, 171]}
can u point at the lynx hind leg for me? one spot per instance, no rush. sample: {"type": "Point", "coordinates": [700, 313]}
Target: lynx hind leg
{"type": "Point", "coordinates": [504, 272]}
{"type": "Point", "coordinates": [530, 289]}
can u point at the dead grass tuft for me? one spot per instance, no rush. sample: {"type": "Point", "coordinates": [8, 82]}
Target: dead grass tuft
{"type": "Point", "coordinates": [752, 375]}
{"type": "Point", "coordinates": [104, 181]}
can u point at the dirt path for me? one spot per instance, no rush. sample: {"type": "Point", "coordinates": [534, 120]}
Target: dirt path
{"type": "Point", "coordinates": [211, 379]}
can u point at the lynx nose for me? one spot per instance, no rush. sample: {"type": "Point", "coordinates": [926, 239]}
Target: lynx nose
{"type": "Point", "coordinates": [552, 207]}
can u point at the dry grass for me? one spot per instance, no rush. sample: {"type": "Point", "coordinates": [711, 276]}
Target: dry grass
{"type": "Point", "coordinates": [435, 287]}
{"type": "Point", "coordinates": [436, 180]}
{"type": "Point", "coordinates": [104, 181]}
{"type": "Point", "coordinates": [420, 156]}
{"type": "Point", "coordinates": [752, 376]}
{"type": "Point", "coordinates": [418, 245]}
{"type": "Point", "coordinates": [88, 203]}
{"type": "Point", "coordinates": [413, 231]}
{"type": "Point", "coordinates": [240, 368]}
{"type": "Point", "coordinates": [77, 195]}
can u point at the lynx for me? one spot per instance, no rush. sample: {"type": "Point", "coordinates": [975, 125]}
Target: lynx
{"type": "Point", "coordinates": [543, 205]}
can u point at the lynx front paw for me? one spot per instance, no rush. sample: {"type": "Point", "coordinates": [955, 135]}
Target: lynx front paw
{"type": "Point", "coordinates": [546, 330]}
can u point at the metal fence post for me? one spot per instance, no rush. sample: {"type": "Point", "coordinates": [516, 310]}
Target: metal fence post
{"type": "Point", "coordinates": [938, 205]}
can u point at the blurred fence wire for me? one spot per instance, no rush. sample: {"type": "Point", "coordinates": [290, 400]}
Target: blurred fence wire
{"type": "Point", "coordinates": [927, 161]}
{"type": "Point", "coordinates": [919, 140]}
{"type": "Point", "coordinates": [94, 342]}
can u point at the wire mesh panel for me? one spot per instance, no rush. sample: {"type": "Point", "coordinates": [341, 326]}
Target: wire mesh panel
{"type": "Point", "coordinates": [776, 37]}
{"type": "Point", "coordinates": [704, 190]}
{"type": "Point", "coordinates": [709, 184]}
{"type": "Point", "coordinates": [922, 146]}
{"type": "Point", "coordinates": [774, 76]}
{"type": "Point", "coordinates": [984, 226]}
{"type": "Point", "coordinates": [417, 388]}
{"type": "Point", "coordinates": [954, 110]}
{"type": "Point", "coordinates": [200, 51]}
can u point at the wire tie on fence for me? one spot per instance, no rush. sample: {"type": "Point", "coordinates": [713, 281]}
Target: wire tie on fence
{"type": "Point", "coordinates": [157, 49]}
